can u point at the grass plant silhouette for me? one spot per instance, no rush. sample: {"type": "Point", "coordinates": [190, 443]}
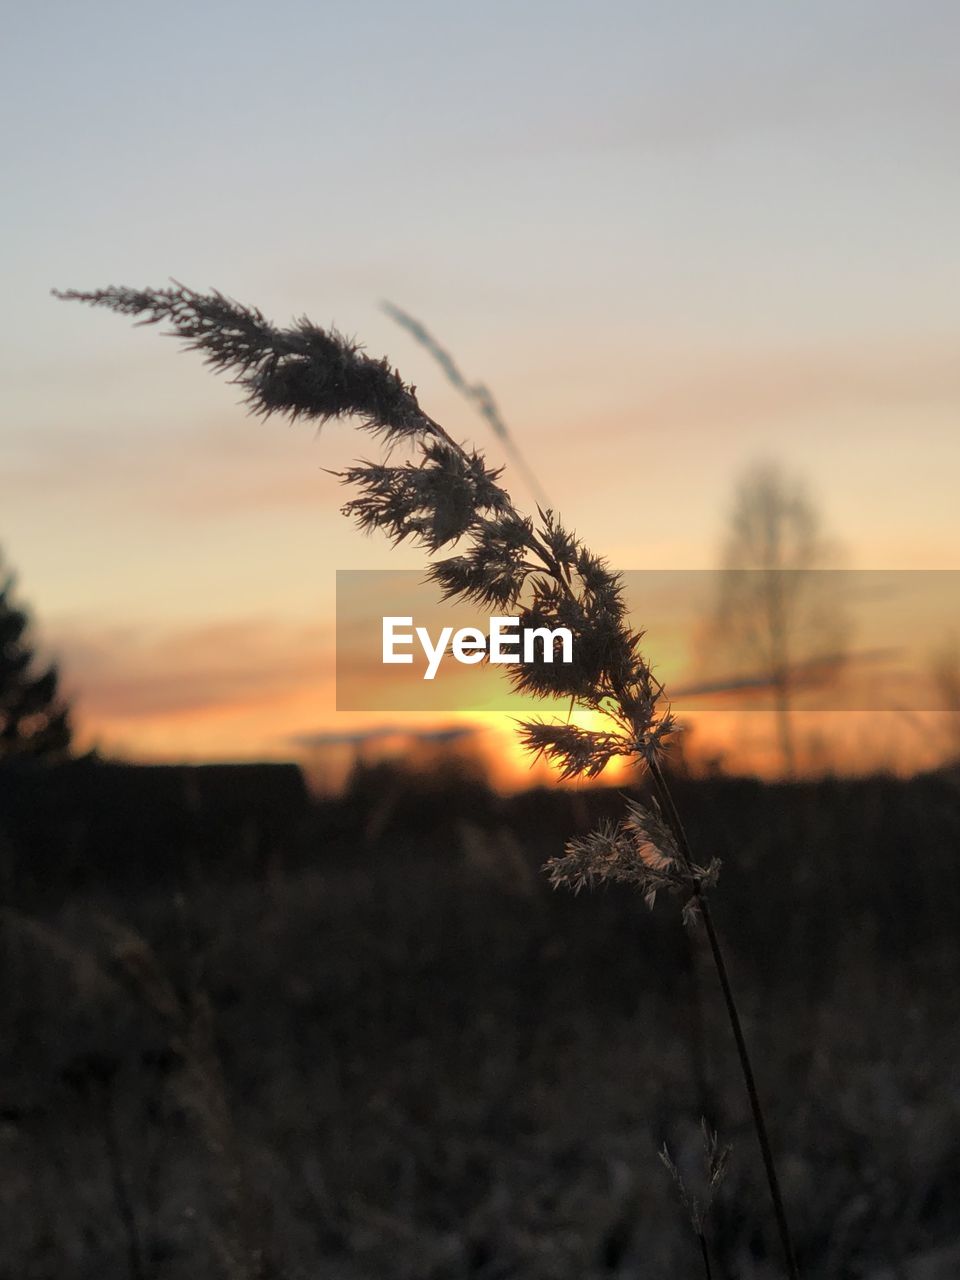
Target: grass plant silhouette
{"type": "Point", "coordinates": [444, 494]}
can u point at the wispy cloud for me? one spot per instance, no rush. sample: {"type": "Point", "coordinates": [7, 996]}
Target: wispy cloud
{"type": "Point", "coordinates": [214, 467]}
{"type": "Point", "coordinates": [441, 735]}
{"type": "Point", "coordinates": [715, 390]}
{"type": "Point", "coordinates": [138, 672]}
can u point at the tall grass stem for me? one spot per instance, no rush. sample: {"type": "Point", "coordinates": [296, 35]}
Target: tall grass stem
{"type": "Point", "coordinates": [665, 796]}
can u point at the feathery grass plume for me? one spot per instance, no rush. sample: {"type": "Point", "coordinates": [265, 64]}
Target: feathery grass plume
{"type": "Point", "coordinates": [697, 1207]}
{"type": "Point", "coordinates": [641, 850]}
{"type": "Point", "coordinates": [445, 494]}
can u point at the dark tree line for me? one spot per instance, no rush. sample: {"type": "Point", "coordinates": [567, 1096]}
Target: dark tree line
{"type": "Point", "coordinates": [34, 719]}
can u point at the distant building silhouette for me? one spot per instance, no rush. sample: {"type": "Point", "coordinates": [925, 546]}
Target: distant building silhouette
{"type": "Point", "coordinates": [88, 823]}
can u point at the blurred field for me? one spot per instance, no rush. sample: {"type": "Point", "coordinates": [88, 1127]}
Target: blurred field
{"type": "Point", "coordinates": [251, 1034]}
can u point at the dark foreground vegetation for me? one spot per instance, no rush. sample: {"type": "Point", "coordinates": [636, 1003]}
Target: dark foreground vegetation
{"type": "Point", "coordinates": [249, 1035]}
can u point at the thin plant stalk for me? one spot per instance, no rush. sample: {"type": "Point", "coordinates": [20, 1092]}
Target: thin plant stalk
{"type": "Point", "coordinates": [476, 392]}
{"type": "Point", "coordinates": [705, 1254]}
{"type": "Point", "coordinates": [733, 1014]}
{"type": "Point", "coordinates": [94, 1077]}
{"type": "Point", "coordinates": [121, 1191]}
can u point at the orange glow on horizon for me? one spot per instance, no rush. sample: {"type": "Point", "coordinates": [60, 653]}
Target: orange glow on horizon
{"type": "Point", "coordinates": [726, 741]}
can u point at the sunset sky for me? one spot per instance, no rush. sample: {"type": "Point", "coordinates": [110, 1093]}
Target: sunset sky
{"type": "Point", "coordinates": [673, 238]}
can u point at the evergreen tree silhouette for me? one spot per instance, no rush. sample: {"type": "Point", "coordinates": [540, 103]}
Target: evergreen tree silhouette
{"type": "Point", "coordinates": [34, 720]}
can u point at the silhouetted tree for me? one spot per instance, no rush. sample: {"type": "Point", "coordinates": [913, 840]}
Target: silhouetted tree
{"type": "Point", "coordinates": [784, 621]}
{"type": "Point", "coordinates": [34, 720]}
